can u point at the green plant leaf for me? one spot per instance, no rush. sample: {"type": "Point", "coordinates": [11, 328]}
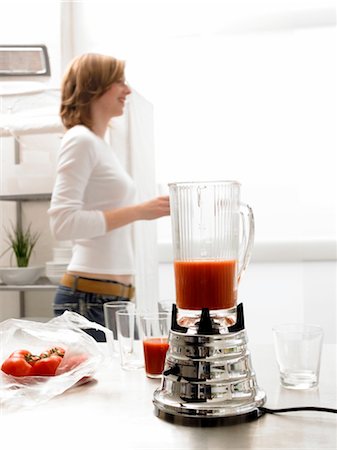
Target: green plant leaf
{"type": "Point", "coordinates": [21, 243]}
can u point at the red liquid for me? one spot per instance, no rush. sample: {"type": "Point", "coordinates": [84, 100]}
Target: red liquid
{"type": "Point", "coordinates": [205, 284]}
{"type": "Point", "coordinates": [155, 352]}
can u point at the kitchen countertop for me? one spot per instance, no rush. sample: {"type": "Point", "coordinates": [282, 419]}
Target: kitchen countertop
{"type": "Point", "coordinates": [115, 411]}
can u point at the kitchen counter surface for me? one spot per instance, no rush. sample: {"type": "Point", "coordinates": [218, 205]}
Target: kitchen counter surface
{"type": "Point", "coordinates": [115, 411]}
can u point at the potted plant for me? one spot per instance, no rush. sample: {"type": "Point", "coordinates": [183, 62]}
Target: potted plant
{"type": "Point", "coordinates": [21, 244]}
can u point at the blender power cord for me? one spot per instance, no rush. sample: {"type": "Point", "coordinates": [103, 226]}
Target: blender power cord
{"type": "Point", "coordinates": [297, 408]}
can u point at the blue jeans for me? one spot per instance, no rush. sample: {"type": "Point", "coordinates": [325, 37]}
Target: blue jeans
{"type": "Point", "coordinates": [88, 305]}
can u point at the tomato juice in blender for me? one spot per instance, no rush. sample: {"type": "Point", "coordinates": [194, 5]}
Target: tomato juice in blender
{"type": "Point", "coordinates": [205, 284]}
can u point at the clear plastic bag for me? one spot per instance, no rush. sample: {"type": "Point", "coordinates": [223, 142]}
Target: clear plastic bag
{"type": "Point", "coordinates": [83, 355]}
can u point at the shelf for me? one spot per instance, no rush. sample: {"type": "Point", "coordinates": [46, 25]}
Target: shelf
{"type": "Point", "coordinates": [25, 197]}
{"type": "Point", "coordinates": [42, 284]}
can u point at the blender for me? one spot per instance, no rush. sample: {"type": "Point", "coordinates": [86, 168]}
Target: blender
{"type": "Point", "coordinates": [208, 376]}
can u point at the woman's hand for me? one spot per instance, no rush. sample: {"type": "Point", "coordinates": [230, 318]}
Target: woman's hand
{"type": "Point", "coordinates": [155, 208]}
{"type": "Point", "coordinates": [152, 209]}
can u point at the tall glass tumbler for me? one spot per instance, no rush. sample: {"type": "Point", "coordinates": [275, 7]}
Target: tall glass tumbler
{"type": "Point", "coordinates": [213, 234]}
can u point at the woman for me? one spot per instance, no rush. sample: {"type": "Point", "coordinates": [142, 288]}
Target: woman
{"type": "Point", "coordinates": [93, 197]}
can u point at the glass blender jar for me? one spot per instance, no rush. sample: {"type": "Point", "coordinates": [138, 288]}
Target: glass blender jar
{"type": "Point", "coordinates": [213, 234]}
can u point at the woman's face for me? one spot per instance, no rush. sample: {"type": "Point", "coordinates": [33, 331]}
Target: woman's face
{"type": "Point", "coordinates": [113, 100]}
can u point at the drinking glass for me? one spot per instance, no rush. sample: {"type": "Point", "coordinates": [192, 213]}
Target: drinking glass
{"type": "Point", "coordinates": [298, 352]}
{"type": "Point", "coordinates": [130, 343]}
{"type": "Point", "coordinates": [110, 310]}
{"type": "Point", "coordinates": [155, 329]}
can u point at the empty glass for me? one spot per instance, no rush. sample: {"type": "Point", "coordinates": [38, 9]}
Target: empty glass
{"type": "Point", "coordinates": [298, 353]}
{"type": "Point", "coordinates": [130, 343]}
{"type": "Point", "coordinates": [110, 310]}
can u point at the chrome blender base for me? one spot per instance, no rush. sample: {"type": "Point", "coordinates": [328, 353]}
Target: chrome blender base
{"type": "Point", "coordinates": [206, 413]}
{"type": "Point", "coordinates": [208, 377]}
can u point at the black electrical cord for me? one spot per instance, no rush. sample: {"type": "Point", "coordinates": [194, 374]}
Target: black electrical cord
{"type": "Point", "coordinates": [297, 408]}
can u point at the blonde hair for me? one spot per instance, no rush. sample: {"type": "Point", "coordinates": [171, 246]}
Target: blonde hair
{"type": "Point", "coordinates": [87, 78]}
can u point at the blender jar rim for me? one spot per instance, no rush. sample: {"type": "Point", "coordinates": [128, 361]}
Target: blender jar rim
{"type": "Point", "coordinates": [194, 183]}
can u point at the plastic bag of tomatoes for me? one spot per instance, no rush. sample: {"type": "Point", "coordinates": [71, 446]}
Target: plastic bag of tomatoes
{"type": "Point", "coordinates": [41, 360]}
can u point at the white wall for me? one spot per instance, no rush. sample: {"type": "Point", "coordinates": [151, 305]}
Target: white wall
{"type": "Point", "coordinates": [33, 22]}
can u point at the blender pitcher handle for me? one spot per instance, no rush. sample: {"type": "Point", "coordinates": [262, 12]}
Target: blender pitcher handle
{"type": "Point", "coordinates": [248, 232]}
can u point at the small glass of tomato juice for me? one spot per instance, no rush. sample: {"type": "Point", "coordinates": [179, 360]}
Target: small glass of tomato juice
{"type": "Point", "coordinates": [155, 330]}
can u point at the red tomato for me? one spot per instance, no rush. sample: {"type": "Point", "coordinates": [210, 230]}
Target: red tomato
{"type": "Point", "coordinates": [17, 364]}
{"type": "Point", "coordinates": [46, 366]}
{"type": "Point", "coordinates": [22, 363]}
{"type": "Point", "coordinates": [33, 359]}
{"type": "Point", "coordinates": [59, 351]}
{"type": "Point", "coordinates": [20, 353]}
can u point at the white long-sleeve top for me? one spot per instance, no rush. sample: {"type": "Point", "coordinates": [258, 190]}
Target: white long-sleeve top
{"type": "Point", "coordinates": [89, 180]}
